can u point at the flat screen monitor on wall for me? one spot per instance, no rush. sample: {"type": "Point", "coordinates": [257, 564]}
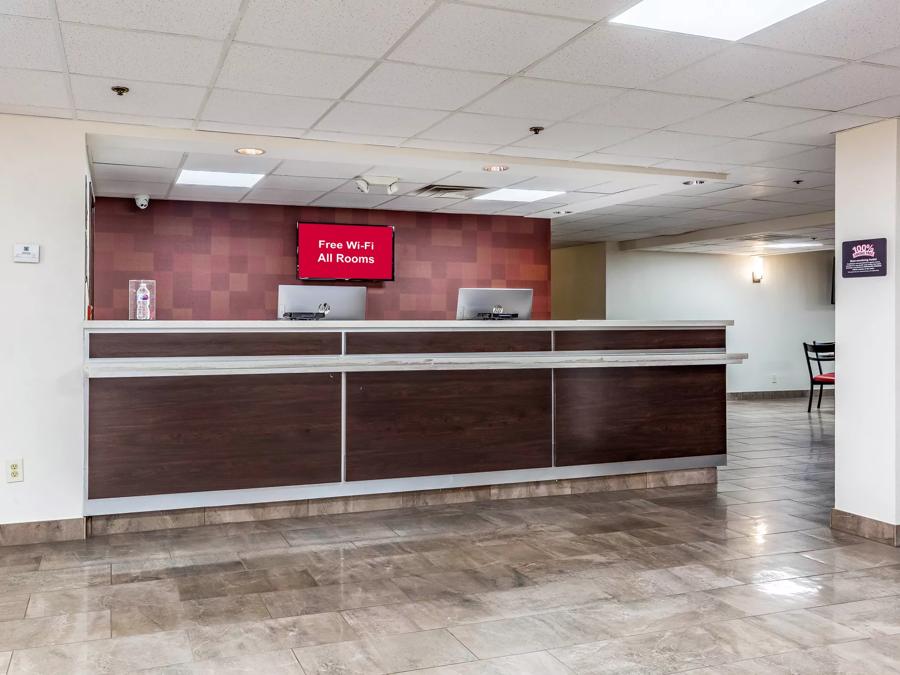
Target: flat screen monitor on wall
{"type": "Point", "coordinates": [327, 252]}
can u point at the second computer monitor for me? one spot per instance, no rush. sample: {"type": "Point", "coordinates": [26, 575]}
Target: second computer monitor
{"type": "Point", "coordinates": [345, 302]}
{"type": "Point", "coordinates": [474, 301]}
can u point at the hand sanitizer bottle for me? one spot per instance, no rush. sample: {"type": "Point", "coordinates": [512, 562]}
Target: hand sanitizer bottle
{"type": "Point", "coordinates": [142, 303]}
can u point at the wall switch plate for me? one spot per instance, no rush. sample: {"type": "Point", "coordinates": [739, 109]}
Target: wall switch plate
{"type": "Point", "coordinates": [15, 471]}
{"type": "Point", "coordinates": [27, 253]}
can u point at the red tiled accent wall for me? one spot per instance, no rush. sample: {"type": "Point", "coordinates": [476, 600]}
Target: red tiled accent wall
{"type": "Point", "coordinates": [225, 261]}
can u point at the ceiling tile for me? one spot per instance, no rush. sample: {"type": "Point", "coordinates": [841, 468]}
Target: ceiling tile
{"type": "Point", "coordinates": [666, 144]}
{"type": "Point", "coordinates": [591, 10]}
{"type": "Point", "coordinates": [120, 172]}
{"type": "Point", "coordinates": [351, 200]}
{"type": "Point", "coordinates": [422, 87]}
{"type": "Point", "coordinates": [117, 188]}
{"type": "Point", "coordinates": [626, 160]}
{"type": "Point", "coordinates": [361, 27]}
{"type": "Point", "coordinates": [263, 109]}
{"type": "Point", "coordinates": [279, 71]}
{"type": "Point", "coordinates": [451, 146]}
{"type": "Point", "coordinates": [249, 129]}
{"type": "Point", "coordinates": [299, 184]}
{"type": "Point", "coordinates": [469, 206]}
{"type": "Point", "coordinates": [818, 131]}
{"type": "Point", "coordinates": [278, 196]}
{"type": "Point", "coordinates": [742, 71]}
{"type": "Point", "coordinates": [811, 196]}
{"type": "Point", "coordinates": [471, 128]}
{"type": "Point", "coordinates": [39, 9]}
{"type": "Point", "coordinates": [649, 109]}
{"type": "Point", "coordinates": [886, 107]}
{"type": "Point", "coordinates": [529, 98]}
{"type": "Point", "coordinates": [888, 58]}
{"type": "Point", "coordinates": [849, 29]}
{"type": "Point", "coordinates": [845, 87]}
{"type": "Point", "coordinates": [787, 178]}
{"type": "Point", "coordinates": [820, 159]}
{"type": "Point", "coordinates": [410, 174]}
{"type": "Point", "coordinates": [622, 56]}
{"type": "Point", "coordinates": [416, 204]}
{"type": "Point", "coordinates": [485, 179]}
{"type": "Point", "coordinates": [145, 98]}
{"type": "Point", "coordinates": [746, 119]}
{"type": "Point", "coordinates": [234, 163]}
{"type": "Point", "coordinates": [363, 118]}
{"type": "Point", "coordinates": [762, 207]}
{"type": "Point", "coordinates": [564, 184]}
{"type": "Point", "coordinates": [203, 18]}
{"type": "Point", "coordinates": [483, 39]}
{"type": "Point", "coordinates": [359, 139]}
{"type": "Point", "coordinates": [743, 192]}
{"type": "Point", "coordinates": [299, 167]}
{"type": "Point", "coordinates": [136, 156]}
{"type": "Point", "coordinates": [142, 120]}
{"type": "Point", "coordinates": [746, 152]}
{"type": "Point", "coordinates": [33, 88]}
{"type": "Point", "coordinates": [541, 153]}
{"type": "Point", "coordinates": [140, 56]}
{"type": "Point", "coordinates": [581, 137]}
{"type": "Point", "coordinates": [29, 43]}
{"type": "Point", "coordinates": [204, 193]}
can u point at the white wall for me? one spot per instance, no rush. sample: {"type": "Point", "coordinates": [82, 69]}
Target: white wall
{"type": "Point", "coordinates": [42, 306]}
{"type": "Point", "coordinates": [771, 319]}
{"type": "Point", "coordinates": [867, 471]}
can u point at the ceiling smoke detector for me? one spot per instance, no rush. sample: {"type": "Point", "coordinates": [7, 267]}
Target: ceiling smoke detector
{"type": "Point", "coordinates": [365, 184]}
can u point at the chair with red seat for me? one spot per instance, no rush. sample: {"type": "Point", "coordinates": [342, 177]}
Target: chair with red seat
{"type": "Point", "coordinates": [818, 353]}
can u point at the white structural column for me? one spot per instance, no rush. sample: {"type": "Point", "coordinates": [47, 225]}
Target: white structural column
{"type": "Point", "coordinates": [867, 444]}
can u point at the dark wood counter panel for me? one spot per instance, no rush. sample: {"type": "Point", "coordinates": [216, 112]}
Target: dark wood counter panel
{"type": "Point", "coordinates": [628, 414]}
{"type": "Point", "coordinates": [158, 435]}
{"type": "Point", "coordinates": [577, 340]}
{"type": "Point", "coordinates": [448, 343]}
{"type": "Point", "coordinates": [429, 423]}
{"type": "Point", "coordinates": [150, 345]}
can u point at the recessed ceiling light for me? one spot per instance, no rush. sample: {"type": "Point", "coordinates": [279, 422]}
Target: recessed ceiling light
{"type": "Point", "coordinates": [693, 181]}
{"type": "Point", "coordinates": [561, 212]}
{"type": "Point", "coordinates": [795, 244]}
{"type": "Point", "coordinates": [250, 152]}
{"type": "Point", "coordinates": [495, 168]}
{"type": "Point", "coordinates": [724, 19]}
{"type": "Point", "coordinates": [218, 178]}
{"type": "Point", "coordinates": [513, 195]}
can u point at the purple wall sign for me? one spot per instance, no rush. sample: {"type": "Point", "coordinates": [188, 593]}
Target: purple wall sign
{"type": "Point", "coordinates": [864, 258]}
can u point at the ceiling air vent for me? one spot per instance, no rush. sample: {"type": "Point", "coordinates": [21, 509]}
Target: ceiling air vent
{"type": "Point", "coordinates": [447, 191]}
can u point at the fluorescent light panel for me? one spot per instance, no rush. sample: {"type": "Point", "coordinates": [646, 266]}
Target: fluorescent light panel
{"type": "Point", "coordinates": [514, 195]}
{"type": "Point", "coordinates": [218, 178]}
{"type": "Point", "coordinates": [723, 19]}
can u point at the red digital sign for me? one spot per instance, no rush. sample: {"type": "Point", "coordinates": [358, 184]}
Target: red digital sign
{"type": "Point", "coordinates": [345, 252]}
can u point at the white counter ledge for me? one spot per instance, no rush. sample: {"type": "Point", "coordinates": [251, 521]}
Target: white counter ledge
{"type": "Point", "coordinates": [252, 365]}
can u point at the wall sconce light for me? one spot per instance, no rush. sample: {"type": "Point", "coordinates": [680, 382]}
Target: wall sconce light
{"type": "Point", "coordinates": [757, 269]}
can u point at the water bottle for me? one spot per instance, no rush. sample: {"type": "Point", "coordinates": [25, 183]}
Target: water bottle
{"type": "Point", "coordinates": [142, 303]}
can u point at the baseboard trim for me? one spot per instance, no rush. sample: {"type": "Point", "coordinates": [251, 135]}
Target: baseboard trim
{"type": "Point", "coordinates": [42, 531]}
{"type": "Point", "coordinates": [868, 528]}
{"type": "Point", "coordinates": [772, 395]}
{"type": "Point", "coordinates": [100, 525]}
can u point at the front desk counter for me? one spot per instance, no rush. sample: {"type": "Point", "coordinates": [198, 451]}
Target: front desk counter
{"type": "Point", "coordinates": [187, 414]}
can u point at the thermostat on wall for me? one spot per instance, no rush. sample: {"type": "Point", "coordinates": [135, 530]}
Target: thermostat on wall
{"type": "Point", "coordinates": [27, 253]}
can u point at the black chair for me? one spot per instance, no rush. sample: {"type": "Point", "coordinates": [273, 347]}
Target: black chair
{"type": "Point", "coordinates": [818, 353]}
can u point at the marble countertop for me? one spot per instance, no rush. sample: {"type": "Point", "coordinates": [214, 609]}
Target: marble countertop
{"type": "Point", "coordinates": [386, 326]}
{"type": "Point", "coordinates": [249, 365]}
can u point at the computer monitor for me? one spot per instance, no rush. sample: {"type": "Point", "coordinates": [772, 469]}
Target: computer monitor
{"type": "Point", "coordinates": [473, 301]}
{"type": "Point", "coordinates": [346, 302]}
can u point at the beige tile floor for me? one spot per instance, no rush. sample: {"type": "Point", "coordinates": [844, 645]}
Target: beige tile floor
{"type": "Point", "coordinates": [746, 578]}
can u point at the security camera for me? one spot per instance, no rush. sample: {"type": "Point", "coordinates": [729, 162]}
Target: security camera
{"type": "Point", "coordinates": [142, 201]}
{"type": "Point", "coordinates": [362, 185]}
{"type": "Point", "coordinates": [393, 187]}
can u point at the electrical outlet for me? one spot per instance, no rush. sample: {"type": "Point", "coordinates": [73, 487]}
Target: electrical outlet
{"type": "Point", "coordinates": [15, 471]}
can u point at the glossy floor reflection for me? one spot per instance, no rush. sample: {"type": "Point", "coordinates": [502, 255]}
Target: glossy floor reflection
{"type": "Point", "coordinates": [746, 578]}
